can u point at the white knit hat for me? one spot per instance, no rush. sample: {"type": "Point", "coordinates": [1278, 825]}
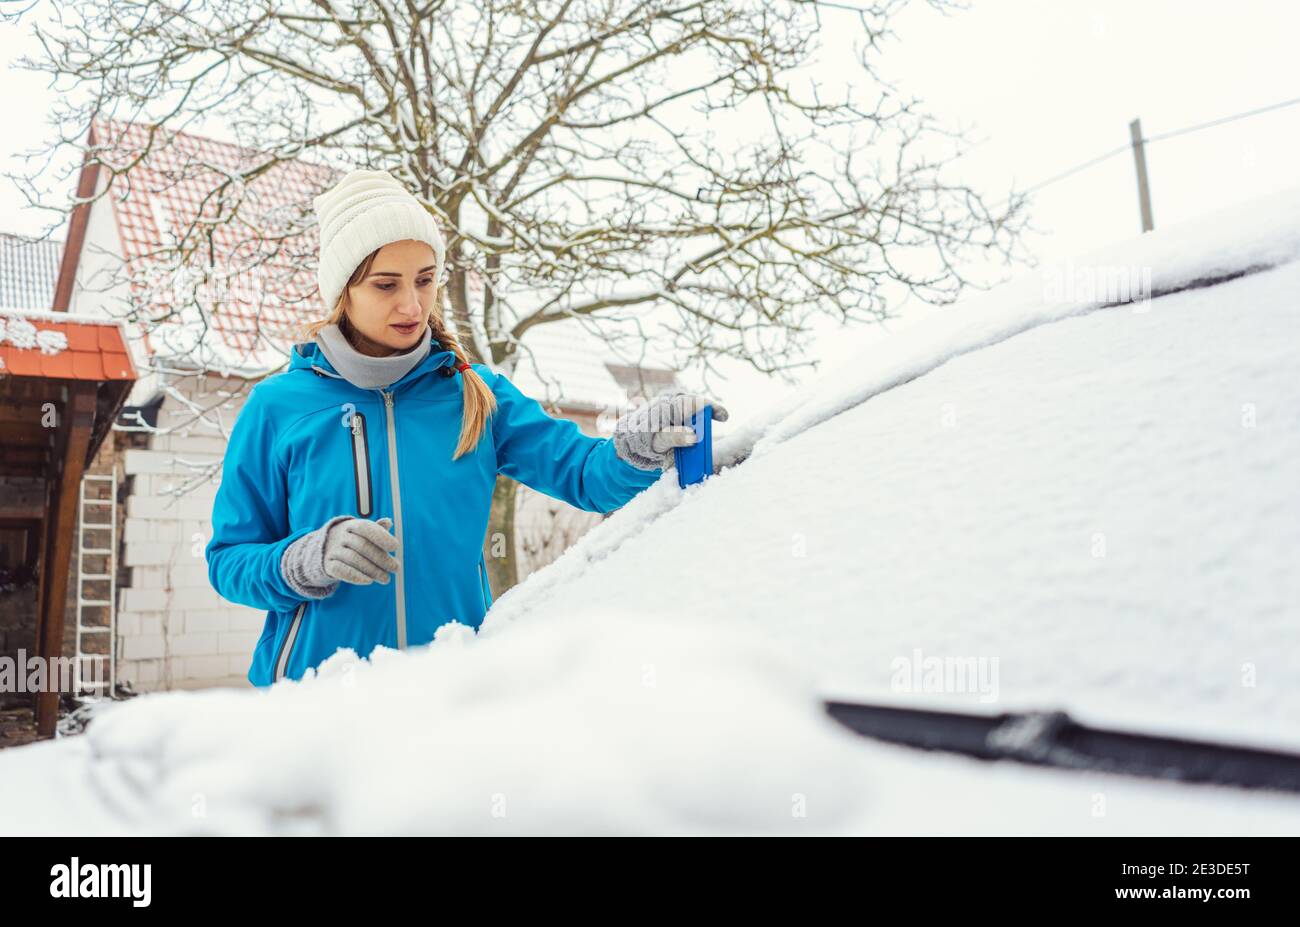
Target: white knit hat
{"type": "Point", "coordinates": [362, 212]}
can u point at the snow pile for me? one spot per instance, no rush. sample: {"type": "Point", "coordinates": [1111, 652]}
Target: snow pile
{"type": "Point", "coordinates": [19, 331]}
{"type": "Point", "coordinates": [596, 723]}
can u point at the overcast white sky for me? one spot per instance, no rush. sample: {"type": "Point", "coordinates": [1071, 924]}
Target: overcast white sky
{"type": "Point", "coordinates": [1043, 86]}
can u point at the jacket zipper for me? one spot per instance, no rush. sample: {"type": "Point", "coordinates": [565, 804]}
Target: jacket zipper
{"type": "Point", "coordinates": [397, 519]}
{"type": "Point", "coordinates": [286, 646]}
{"type": "Point", "coordinates": [397, 506]}
{"type": "Point", "coordinates": [361, 463]}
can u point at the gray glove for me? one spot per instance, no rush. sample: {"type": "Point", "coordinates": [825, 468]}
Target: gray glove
{"type": "Point", "coordinates": [346, 548]}
{"type": "Point", "coordinates": [646, 436]}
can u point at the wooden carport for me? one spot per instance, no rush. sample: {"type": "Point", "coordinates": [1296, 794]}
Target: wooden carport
{"type": "Point", "coordinates": [63, 380]}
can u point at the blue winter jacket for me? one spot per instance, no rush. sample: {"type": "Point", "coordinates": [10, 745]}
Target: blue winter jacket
{"type": "Point", "coordinates": [309, 445]}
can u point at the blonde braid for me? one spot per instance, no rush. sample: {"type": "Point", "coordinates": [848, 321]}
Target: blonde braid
{"type": "Point", "coordinates": [479, 400]}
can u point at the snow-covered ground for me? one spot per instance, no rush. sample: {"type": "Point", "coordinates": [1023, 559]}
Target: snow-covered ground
{"type": "Point", "coordinates": [1096, 505]}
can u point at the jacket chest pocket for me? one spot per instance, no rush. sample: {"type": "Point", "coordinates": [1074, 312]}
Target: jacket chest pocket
{"type": "Point", "coordinates": [361, 464]}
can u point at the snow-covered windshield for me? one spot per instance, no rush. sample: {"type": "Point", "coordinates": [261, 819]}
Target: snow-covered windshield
{"type": "Point", "coordinates": [1033, 500]}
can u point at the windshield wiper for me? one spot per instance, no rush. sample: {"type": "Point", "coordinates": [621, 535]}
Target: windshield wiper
{"type": "Point", "coordinates": [1053, 738]}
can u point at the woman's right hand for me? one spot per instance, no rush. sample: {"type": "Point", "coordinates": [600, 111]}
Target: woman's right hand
{"type": "Point", "coordinates": [345, 548]}
{"type": "Point", "coordinates": [357, 550]}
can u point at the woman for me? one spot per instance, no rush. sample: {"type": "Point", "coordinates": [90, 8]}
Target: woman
{"type": "Point", "coordinates": [357, 483]}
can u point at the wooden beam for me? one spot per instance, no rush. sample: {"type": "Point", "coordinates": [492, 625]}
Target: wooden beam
{"type": "Point", "coordinates": [28, 469]}
{"type": "Point", "coordinates": [87, 183]}
{"type": "Point", "coordinates": [24, 456]}
{"type": "Point", "coordinates": [78, 420]}
{"type": "Point", "coordinates": [21, 413]}
{"type": "Point", "coordinates": [25, 435]}
{"type": "Point", "coordinates": [24, 395]}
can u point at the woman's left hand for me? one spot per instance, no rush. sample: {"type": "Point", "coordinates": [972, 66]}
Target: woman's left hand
{"type": "Point", "coordinates": [646, 436]}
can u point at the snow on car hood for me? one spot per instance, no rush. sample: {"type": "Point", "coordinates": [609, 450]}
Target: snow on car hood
{"type": "Point", "coordinates": [1097, 503]}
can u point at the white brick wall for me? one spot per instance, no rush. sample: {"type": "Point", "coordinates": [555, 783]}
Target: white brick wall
{"type": "Point", "coordinates": [195, 644]}
{"type": "Point", "coordinates": [141, 460]}
{"type": "Point", "coordinates": [128, 623]}
{"type": "Point", "coordinates": [205, 619]}
{"type": "Point", "coordinates": [149, 501]}
{"type": "Point", "coordinates": [143, 674]}
{"type": "Point", "coordinates": [229, 682]}
{"type": "Point", "coordinates": [137, 529]}
{"type": "Point", "coordinates": [174, 631]}
{"type": "Point", "coordinates": [152, 623]}
{"type": "Point", "coordinates": [143, 647]}
{"type": "Point", "coordinates": [141, 600]}
{"type": "Point", "coordinates": [190, 445]}
{"type": "Point", "coordinates": [154, 553]}
{"type": "Point", "coordinates": [205, 667]}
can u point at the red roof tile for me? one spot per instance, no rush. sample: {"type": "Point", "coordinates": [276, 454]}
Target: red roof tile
{"type": "Point", "coordinates": [172, 186]}
{"type": "Point", "coordinates": [58, 366]}
{"type": "Point", "coordinates": [95, 350]}
{"type": "Point", "coordinates": [83, 338]}
{"type": "Point", "coordinates": [21, 363]}
{"type": "Point", "coordinates": [86, 366]}
{"type": "Point", "coordinates": [117, 366]}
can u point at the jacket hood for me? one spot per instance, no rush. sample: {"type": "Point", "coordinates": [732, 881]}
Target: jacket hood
{"type": "Point", "coordinates": [309, 354]}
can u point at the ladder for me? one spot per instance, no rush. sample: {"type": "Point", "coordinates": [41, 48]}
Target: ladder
{"type": "Point", "coordinates": [91, 516]}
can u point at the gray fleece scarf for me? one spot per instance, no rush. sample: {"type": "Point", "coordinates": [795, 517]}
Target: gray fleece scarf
{"type": "Point", "coordinates": [365, 371]}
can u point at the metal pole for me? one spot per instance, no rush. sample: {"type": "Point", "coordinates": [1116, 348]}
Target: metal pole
{"type": "Point", "coordinates": [1144, 188]}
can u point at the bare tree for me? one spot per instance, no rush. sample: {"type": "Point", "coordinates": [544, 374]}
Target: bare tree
{"type": "Point", "coordinates": [655, 169]}
{"type": "Point", "coordinates": [563, 147]}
